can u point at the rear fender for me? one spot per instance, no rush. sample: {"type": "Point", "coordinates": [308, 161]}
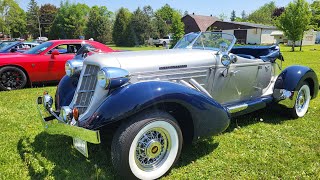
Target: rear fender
{"type": "Point", "coordinates": [293, 76]}
{"type": "Point", "coordinates": [287, 84]}
{"type": "Point", "coordinates": [208, 116]}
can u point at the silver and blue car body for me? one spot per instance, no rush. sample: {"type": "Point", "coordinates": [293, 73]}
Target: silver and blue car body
{"type": "Point", "coordinates": [202, 82]}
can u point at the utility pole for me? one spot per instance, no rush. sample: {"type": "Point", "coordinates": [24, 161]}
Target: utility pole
{"type": "Point", "coordinates": [39, 25]}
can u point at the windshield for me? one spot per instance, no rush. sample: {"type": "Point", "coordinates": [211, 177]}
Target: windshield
{"type": "Point", "coordinates": [186, 41]}
{"type": "Point", "coordinates": [80, 53]}
{"type": "Point", "coordinates": [38, 49]}
{"type": "Point", "coordinates": [206, 41]}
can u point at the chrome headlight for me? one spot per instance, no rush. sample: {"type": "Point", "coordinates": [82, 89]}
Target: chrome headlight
{"type": "Point", "coordinates": [65, 113]}
{"type": "Point", "coordinates": [112, 77]}
{"type": "Point", "coordinates": [103, 79]}
{"type": "Point", "coordinates": [69, 69]}
{"type": "Point", "coordinates": [73, 67]}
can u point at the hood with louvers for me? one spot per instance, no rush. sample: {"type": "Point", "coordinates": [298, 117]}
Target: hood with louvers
{"type": "Point", "coordinates": [154, 61]}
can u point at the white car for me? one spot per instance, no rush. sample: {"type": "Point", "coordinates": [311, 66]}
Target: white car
{"type": "Point", "coordinates": [162, 41]}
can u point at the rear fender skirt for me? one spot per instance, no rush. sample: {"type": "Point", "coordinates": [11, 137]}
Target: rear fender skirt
{"type": "Point", "coordinates": [65, 91]}
{"type": "Point", "coordinates": [293, 76]}
{"type": "Point", "coordinates": [208, 116]}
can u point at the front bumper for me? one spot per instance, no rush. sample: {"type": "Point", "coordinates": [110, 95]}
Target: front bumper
{"type": "Point", "coordinates": [54, 124]}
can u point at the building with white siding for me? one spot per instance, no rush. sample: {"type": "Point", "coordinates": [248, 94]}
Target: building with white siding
{"type": "Point", "coordinates": [246, 33]}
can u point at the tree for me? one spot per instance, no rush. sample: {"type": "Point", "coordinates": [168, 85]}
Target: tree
{"type": "Point", "coordinates": [222, 16]}
{"type": "Point", "coordinates": [120, 28]}
{"type": "Point", "coordinates": [70, 21]}
{"type": "Point", "coordinates": [177, 27]}
{"type": "Point", "coordinates": [33, 21]}
{"type": "Point", "coordinates": [263, 15]}
{"type": "Point", "coordinates": [166, 13]}
{"type": "Point", "coordinates": [244, 15]}
{"type": "Point", "coordinates": [160, 26]}
{"type": "Point", "coordinates": [99, 24]}
{"type": "Point", "coordinates": [138, 27]}
{"type": "Point", "coordinates": [295, 20]}
{"type": "Point", "coordinates": [315, 19]}
{"type": "Point", "coordinates": [233, 15]}
{"type": "Point", "coordinates": [151, 30]}
{"type": "Point", "coordinates": [277, 12]}
{"type": "Point", "coordinates": [13, 18]}
{"type": "Point", "coordinates": [48, 13]}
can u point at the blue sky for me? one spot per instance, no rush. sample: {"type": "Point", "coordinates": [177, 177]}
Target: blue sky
{"type": "Point", "coordinates": [200, 7]}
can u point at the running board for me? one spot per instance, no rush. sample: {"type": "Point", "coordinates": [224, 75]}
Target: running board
{"type": "Point", "coordinates": [248, 106]}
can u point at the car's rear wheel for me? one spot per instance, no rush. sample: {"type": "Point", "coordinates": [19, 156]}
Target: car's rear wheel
{"type": "Point", "coordinates": [302, 102]}
{"type": "Point", "coordinates": [164, 44]}
{"type": "Point", "coordinates": [12, 78]}
{"type": "Point", "coordinates": [147, 146]}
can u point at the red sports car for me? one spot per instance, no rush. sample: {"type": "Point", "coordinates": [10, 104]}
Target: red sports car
{"type": "Point", "coordinates": [43, 63]}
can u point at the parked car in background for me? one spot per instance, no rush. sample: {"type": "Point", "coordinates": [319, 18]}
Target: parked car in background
{"type": "Point", "coordinates": [5, 43]}
{"type": "Point", "coordinates": [43, 63]}
{"type": "Point", "coordinates": [162, 41]}
{"type": "Point", "coordinates": [152, 102]}
{"type": "Point", "coordinates": [17, 46]}
{"type": "Point", "coordinates": [42, 39]}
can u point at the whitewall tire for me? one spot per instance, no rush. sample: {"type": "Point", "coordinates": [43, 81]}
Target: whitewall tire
{"type": "Point", "coordinates": [147, 146]}
{"type": "Point", "coordinates": [302, 101]}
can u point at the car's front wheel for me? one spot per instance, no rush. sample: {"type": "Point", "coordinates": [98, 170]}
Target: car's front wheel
{"type": "Point", "coordinates": [302, 102]}
{"type": "Point", "coordinates": [12, 78]}
{"type": "Point", "coordinates": [147, 146]}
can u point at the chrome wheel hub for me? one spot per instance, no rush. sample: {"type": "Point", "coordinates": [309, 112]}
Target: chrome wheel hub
{"type": "Point", "coordinates": [152, 149]}
{"type": "Point", "coordinates": [301, 100]}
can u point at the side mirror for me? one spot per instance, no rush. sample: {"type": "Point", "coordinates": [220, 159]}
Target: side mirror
{"type": "Point", "coordinates": [13, 50]}
{"type": "Point", "coordinates": [54, 53]}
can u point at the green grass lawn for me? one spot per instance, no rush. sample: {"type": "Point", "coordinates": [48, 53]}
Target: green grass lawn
{"type": "Point", "coordinates": [262, 145]}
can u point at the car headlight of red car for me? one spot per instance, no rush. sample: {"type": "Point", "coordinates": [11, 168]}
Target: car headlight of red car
{"type": "Point", "coordinates": [73, 67]}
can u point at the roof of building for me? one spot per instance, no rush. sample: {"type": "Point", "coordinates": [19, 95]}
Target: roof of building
{"type": "Point", "coordinates": [203, 22]}
{"type": "Point", "coordinates": [262, 26]}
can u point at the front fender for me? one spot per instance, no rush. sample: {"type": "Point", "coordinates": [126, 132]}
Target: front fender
{"type": "Point", "coordinates": [293, 76]}
{"type": "Point", "coordinates": [208, 116]}
{"type": "Point", "coordinates": [65, 91]}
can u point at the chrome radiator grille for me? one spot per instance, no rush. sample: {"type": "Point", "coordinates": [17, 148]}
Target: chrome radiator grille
{"type": "Point", "coordinates": [87, 87]}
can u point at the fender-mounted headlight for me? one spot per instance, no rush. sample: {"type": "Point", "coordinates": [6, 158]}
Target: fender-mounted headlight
{"type": "Point", "coordinates": [73, 67]}
{"type": "Point", "coordinates": [111, 77]}
{"type": "Point", "coordinates": [103, 79]}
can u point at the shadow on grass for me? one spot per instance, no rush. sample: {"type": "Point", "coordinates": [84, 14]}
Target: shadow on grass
{"type": "Point", "coordinates": [53, 156]}
{"type": "Point", "coordinates": [272, 114]}
{"type": "Point", "coordinates": [198, 149]}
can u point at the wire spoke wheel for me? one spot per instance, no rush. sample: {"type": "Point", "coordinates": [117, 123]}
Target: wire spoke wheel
{"type": "Point", "coordinates": [152, 149]}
